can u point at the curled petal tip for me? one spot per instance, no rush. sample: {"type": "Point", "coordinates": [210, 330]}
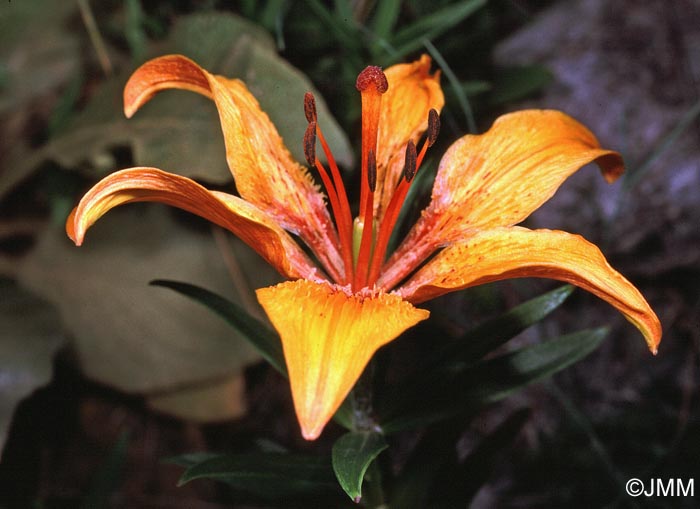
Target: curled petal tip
{"type": "Point", "coordinates": [169, 71]}
{"type": "Point", "coordinates": [70, 229]}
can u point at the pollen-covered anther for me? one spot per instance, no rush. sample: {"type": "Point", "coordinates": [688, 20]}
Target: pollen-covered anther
{"type": "Point", "coordinates": [310, 107]}
{"type": "Point", "coordinates": [410, 166]}
{"type": "Point", "coordinates": [372, 76]}
{"type": "Point", "coordinates": [433, 126]}
{"type": "Point", "coordinates": [310, 144]}
{"type": "Point", "coordinates": [372, 170]}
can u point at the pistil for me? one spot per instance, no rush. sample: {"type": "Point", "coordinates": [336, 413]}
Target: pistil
{"type": "Point", "coordinates": [371, 83]}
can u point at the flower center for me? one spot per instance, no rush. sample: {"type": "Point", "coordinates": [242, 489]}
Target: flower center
{"type": "Point", "coordinates": [363, 242]}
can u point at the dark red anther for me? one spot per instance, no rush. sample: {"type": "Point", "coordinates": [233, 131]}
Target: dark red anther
{"type": "Point", "coordinates": [310, 144]}
{"type": "Point", "coordinates": [371, 170]}
{"type": "Point", "coordinates": [410, 165]}
{"type": "Point", "coordinates": [372, 75]}
{"type": "Point", "coordinates": [433, 126]}
{"type": "Point", "coordinates": [310, 107]}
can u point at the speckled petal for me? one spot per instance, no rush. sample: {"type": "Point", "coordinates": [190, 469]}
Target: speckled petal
{"type": "Point", "coordinates": [329, 337]}
{"type": "Point", "coordinates": [505, 253]}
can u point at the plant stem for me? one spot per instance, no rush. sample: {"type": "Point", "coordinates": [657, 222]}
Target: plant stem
{"type": "Point", "coordinates": [362, 401]}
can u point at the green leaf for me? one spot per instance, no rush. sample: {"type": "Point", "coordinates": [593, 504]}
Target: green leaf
{"type": "Point", "coordinates": [266, 341]}
{"type": "Point", "coordinates": [342, 30]}
{"type": "Point", "coordinates": [29, 338]}
{"type": "Point", "coordinates": [134, 30]}
{"type": "Point", "coordinates": [128, 334]}
{"type": "Point", "coordinates": [495, 332]}
{"type": "Point", "coordinates": [457, 355]}
{"type": "Point", "coordinates": [469, 388]}
{"type": "Point", "coordinates": [385, 16]}
{"type": "Point", "coordinates": [499, 377]}
{"type": "Point", "coordinates": [516, 83]}
{"type": "Point", "coordinates": [270, 476]}
{"type": "Point", "coordinates": [352, 455]}
{"type": "Point", "coordinates": [428, 27]}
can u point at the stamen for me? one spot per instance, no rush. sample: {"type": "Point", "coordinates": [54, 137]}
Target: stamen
{"type": "Point", "coordinates": [432, 134]}
{"type": "Point", "coordinates": [433, 126]}
{"type": "Point", "coordinates": [333, 198]}
{"type": "Point", "coordinates": [310, 107]}
{"type": "Point", "coordinates": [310, 144]}
{"type": "Point", "coordinates": [409, 167]}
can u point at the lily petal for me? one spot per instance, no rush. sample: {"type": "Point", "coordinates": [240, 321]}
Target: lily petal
{"type": "Point", "coordinates": [412, 93]}
{"type": "Point", "coordinates": [236, 215]}
{"type": "Point", "coordinates": [499, 178]}
{"type": "Point", "coordinates": [264, 171]}
{"type": "Point", "coordinates": [328, 338]}
{"type": "Point", "coordinates": [505, 253]}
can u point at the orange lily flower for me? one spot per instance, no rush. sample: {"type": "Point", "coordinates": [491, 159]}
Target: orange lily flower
{"type": "Point", "coordinates": [338, 308]}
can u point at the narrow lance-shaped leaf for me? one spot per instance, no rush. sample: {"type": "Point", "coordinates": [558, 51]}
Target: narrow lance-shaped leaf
{"type": "Point", "coordinates": [465, 391]}
{"type": "Point", "coordinates": [428, 27]}
{"type": "Point", "coordinates": [465, 351]}
{"type": "Point", "coordinates": [504, 375]}
{"type": "Point", "coordinates": [270, 476]}
{"type": "Point", "coordinates": [493, 333]}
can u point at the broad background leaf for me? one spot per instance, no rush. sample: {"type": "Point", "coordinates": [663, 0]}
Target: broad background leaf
{"type": "Point", "coordinates": [128, 334]}
{"type": "Point", "coordinates": [220, 400]}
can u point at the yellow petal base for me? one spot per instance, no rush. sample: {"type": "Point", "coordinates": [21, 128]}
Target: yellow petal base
{"type": "Point", "coordinates": [329, 337]}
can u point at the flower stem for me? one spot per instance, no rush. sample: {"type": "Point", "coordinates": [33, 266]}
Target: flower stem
{"type": "Point", "coordinates": [361, 398]}
{"type": "Point", "coordinates": [363, 420]}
